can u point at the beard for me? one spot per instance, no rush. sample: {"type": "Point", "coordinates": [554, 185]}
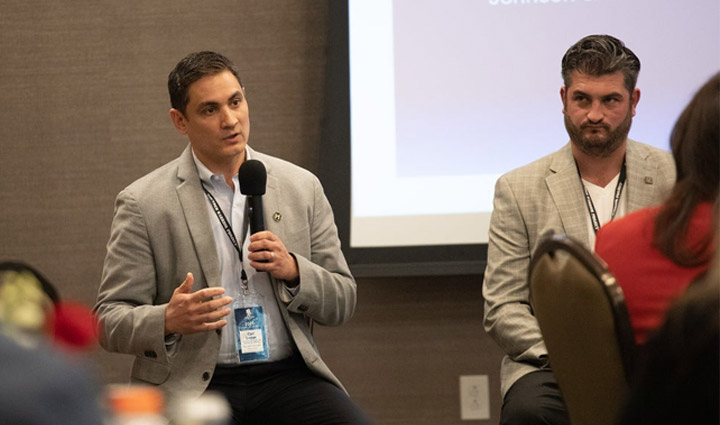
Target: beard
{"type": "Point", "coordinates": [596, 145]}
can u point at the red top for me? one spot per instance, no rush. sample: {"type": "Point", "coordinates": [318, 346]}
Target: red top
{"type": "Point", "coordinates": [649, 280]}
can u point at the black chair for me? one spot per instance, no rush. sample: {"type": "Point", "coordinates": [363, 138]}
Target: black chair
{"type": "Point", "coordinates": [586, 328]}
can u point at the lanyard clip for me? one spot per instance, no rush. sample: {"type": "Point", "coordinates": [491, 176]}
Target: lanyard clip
{"type": "Point", "coordinates": [244, 282]}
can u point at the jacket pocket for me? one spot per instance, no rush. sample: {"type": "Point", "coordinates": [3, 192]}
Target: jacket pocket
{"type": "Point", "coordinates": [149, 371]}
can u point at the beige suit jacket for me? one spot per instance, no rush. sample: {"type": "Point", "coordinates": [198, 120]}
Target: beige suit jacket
{"type": "Point", "coordinates": [161, 231]}
{"type": "Point", "coordinates": [530, 201]}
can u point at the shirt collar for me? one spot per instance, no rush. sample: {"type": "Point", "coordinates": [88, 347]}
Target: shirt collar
{"type": "Point", "coordinates": [206, 176]}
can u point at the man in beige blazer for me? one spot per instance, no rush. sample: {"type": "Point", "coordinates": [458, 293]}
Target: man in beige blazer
{"type": "Point", "coordinates": [172, 274]}
{"type": "Point", "coordinates": [599, 100]}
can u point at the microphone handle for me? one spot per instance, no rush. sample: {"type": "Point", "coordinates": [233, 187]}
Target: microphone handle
{"type": "Point", "coordinates": [255, 214]}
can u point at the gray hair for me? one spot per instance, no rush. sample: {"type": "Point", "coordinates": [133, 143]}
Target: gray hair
{"type": "Point", "coordinates": [598, 55]}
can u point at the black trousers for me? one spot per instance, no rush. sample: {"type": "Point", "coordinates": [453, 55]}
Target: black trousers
{"type": "Point", "coordinates": [534, 399]}
{"type": "Point", "coordinates": [284, 392]}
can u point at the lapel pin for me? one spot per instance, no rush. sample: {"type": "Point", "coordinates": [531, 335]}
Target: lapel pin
{"type": "Point", "coordinates": [277, 216]}
{"type": "Point", "coordinates": [648, 180]}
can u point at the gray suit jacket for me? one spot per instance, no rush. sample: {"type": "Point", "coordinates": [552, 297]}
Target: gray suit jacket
{"type": "Point", "coordinates": [161, 231]}
{"type": "Point", "coordinates": [530, 201]}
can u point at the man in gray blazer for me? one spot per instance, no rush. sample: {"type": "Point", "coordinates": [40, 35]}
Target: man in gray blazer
{"type": "Point", "coordinates": [201, 303]}
{"type": "Point", "coordinates": [600, 174]}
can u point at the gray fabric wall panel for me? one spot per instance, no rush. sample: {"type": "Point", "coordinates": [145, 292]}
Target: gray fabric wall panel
{"type": "Point", "coordinates": [84, 109]}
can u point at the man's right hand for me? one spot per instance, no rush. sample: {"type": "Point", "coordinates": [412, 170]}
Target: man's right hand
{"type": "Point", "coordinates": [188, 313]}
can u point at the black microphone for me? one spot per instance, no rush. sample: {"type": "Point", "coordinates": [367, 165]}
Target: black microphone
{"type": "Point", "coordinates": [252, 177]}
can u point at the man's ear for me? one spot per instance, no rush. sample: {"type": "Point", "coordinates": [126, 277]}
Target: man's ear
{"type": "Point", "coordinates": [179, 120]}
{"type": "Point", "coordinates": [562, 98]}
{"type": "Point", "coordinates": [634, 99]}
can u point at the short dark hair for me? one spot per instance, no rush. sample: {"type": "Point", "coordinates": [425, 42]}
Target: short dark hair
{"type": "Point", "coordinates": [192, 68]}
{"type": "Point", "coordinates": [598, 55]}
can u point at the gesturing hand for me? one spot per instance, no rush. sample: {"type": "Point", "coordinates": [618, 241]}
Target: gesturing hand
{"type": "Point", "coordinates": [199, 311]}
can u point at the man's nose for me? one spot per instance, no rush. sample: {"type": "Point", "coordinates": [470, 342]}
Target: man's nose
{"type": "Point", "coordinates": [228, 118]}
{"type": "Point", "coordinates": [596, 113]}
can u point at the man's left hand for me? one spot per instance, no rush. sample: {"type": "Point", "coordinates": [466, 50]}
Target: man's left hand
{"type": "Point", "coordinates": [268, 253]}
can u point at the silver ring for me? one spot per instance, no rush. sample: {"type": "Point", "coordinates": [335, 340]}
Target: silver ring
{"type": "Point", "coordinates": [272, 255]}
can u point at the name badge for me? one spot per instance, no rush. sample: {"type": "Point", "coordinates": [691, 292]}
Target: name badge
{"type": "Point", "coordinates": [250, 334]}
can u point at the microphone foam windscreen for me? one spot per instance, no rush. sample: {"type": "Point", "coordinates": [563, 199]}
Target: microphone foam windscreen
{"type": "Point", "coordinates": [252, 177]}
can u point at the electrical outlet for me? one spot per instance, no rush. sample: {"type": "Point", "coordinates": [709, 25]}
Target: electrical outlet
{"type": "Point", "coordinates": [474, 397]}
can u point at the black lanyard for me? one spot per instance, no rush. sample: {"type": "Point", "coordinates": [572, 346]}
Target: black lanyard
{"type": "Point", "coordinates": [231, 235]}
{"type": "Point", "coordinates": [594, 219]}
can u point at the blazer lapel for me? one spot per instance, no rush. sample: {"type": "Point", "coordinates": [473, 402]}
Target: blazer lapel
{"type": "Point", "coordinates": [271, 205]}
{"type": "Point", "coordinates": [271, 199]}
{"type": "Point", "coordinates": [192, 200]}
{"type": "Point", "coordinates": [641, 186]}
{"type": "Point", "coordinates": [564, 186]}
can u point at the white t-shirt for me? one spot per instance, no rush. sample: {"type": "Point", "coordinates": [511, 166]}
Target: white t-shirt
{"type": "Point", "coordinates": [602, 198]}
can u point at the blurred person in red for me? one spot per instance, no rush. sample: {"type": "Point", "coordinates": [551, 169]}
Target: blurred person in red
{"type": "Point", "coordinates": [656, 252]}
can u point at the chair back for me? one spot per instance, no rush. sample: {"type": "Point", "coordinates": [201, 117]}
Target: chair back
{"type": "Point", "coordinates": [586, 328]}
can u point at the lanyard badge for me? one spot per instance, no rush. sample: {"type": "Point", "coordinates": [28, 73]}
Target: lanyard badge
{"type": "Point", "coordinates": [250, 320]}
{"type": "Point", "coordinates": [251, 337]}
{"type": "Point", "coordinates": [250, 333]}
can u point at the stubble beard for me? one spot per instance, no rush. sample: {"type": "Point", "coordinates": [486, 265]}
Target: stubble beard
{"type": "Point", "coordinates": [595, 146]}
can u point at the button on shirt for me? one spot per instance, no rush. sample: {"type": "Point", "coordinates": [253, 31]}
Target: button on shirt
{"type": "Point", "coordinates": [232, 203]}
